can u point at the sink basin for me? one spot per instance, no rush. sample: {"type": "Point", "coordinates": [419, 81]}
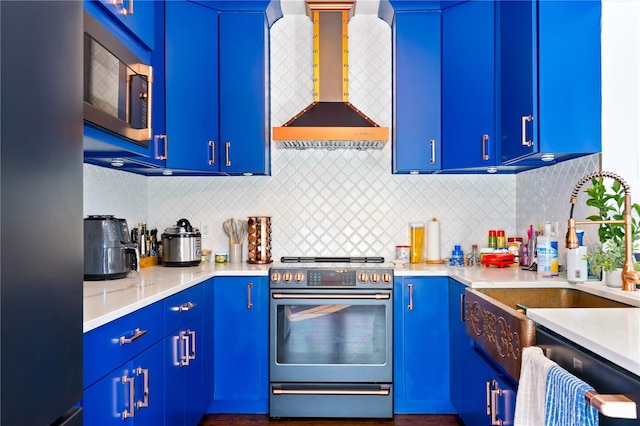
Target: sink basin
{"type": "Point", "coordinates": [495, 320]}
{"type": "Point", "coordinates": [523, 298]}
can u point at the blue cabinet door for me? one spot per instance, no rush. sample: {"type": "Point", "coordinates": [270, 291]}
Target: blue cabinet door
{"type": "Point", "coordinates": [468, 86]}
{"type": "Point", "coordinates": [192, 86]}
{"type": "Point", "coordinates": [550, 81]}
{"type": "Point", "coordinates": [244, 93]}
{"type": "Point", "coordinates": [421, 346]}
{"type": "Point", "coordinates": [479, 392]}
{"type": "Point", "coordinates": [458, 343]}
{"type": "Point", "coordinates": [183, 363]}
{"type": "Point", "coordinates": [137, 16]}
{"type": "Point", "coordinates": [416, 59]}
{"type": "Point", "coordinates": [240, 345]}
{"type": "Point", "coordinates": [518, 83]}
{"type": "Point", "coordinates": [132, 394]}
{"type": "Point", "coordinates": [183, 356]}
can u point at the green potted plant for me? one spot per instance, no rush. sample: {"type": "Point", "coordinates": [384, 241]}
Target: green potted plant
{"type": "Point", "coordinates": [609, 255]}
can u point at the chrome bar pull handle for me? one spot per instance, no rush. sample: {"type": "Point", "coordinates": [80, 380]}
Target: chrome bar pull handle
{"type": "Point", "coordinates": [212, 153]}
{"type": "Point", "coordinates": [184, 348]}
{"type": "Point", "coordinates": [137, 333]}
{"type": "Point", "coordinates": [488, 395]}
{"type": "Point", "coordinates": [249, 303]}
{"type": "Point", "coordinates": [523, 128]}
{"type": "Point", "coordinates": [376, 296]}
{"type": "Point", "coordinates": [159, 156]}
{"type": "Point", "coordinates": [614, 406]}
{"type": "Point", "coordinates": [191, 353]}
{"type": "Point", "coordinates": [129, 412]}
{"type": "Point", "coordinates": [144, 402]}
{"type": "Point", "coordinates": [227, 145]}
{"type": "Point", "coordinates": [410, 307]}
{"type": "Point", "coordinates": [485, 143]}
{"type": "Point", "coordinates": [462, 308]}
{"type": "Point", "coordinates": [433, 151]}
{"type": "Point", "coordinates": [186, 307]}
{"type": "Point", "coordinates": [495, 393]}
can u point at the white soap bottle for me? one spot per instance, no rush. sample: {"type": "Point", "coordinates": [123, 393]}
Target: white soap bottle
{"type": "Point", "coordinates": [577, 270]}
{"type": "Point", "coordinates": [544, 251]}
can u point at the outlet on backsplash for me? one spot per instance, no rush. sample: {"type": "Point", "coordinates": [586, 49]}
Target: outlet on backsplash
{"type": "Point", "coordinates": [205, 229]}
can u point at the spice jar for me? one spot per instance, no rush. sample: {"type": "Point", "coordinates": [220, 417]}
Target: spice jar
{"type": "Point", "coordinates": [501, 242]}
{"type": "Point", "coordinates": [492, 239]}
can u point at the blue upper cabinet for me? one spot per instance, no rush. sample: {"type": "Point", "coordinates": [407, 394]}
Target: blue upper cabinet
{"type": "Point", "coordinates": [217, 90]}
{"type": "Point", "coordinates": [416, 137]}
{"type": "Point", "coordinates": [468, 87]}
{"type": "Point", "coordinates": [550, 82]}
{"type": "Point", "coordinates": [191, 35]}
{"type": "Point", "coordinates": [244, 94]}
{"type": "Point", "coordinates": [101, 146]}
{"type": "Point", "coordinates": [135, 15]}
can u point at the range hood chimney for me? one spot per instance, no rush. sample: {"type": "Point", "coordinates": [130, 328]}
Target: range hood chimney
{"type": "Point", "coordinates": [330, 122]}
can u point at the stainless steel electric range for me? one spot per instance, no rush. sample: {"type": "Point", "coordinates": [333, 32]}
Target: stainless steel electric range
{"type": "Point", "coordinates": [331, 338]}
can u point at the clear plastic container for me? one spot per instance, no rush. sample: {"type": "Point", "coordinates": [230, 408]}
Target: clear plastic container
{"type": "Point", "coordinates": [416, 250]}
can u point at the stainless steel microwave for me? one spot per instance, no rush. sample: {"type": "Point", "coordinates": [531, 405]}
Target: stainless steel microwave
{"type": "Point", "coordinates": [117, 85]}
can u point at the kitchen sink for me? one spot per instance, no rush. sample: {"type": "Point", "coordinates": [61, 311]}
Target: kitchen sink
{"type": "Point", "coordinates": [495, 318]}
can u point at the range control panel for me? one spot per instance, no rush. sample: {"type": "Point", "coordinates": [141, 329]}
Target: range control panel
{"type": "Point", "coordinates": [348, 277]}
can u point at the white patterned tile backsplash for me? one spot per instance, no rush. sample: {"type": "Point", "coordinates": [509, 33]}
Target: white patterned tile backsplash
{"type": "Point", "coordinates": [343, 202]}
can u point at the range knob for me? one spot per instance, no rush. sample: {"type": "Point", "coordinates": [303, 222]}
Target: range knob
{"type": "Point", "coordinates": [375, 278]}
{"type": "Point", "coordinates": [386, 278]}
{"type": "Point", "coordinates": [299, 277]}
{"type": "Point", "coordinates": [287, 277]}
{"type": "Point", "coordinates": [362, 277]}
{"type": "Point", "coordinates": [275, 277]}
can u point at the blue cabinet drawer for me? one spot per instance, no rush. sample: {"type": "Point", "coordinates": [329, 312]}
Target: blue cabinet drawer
{"type": "Point", "coordinates": [114, 343]}
{"type": "Point", "coordinates": [182, 307]}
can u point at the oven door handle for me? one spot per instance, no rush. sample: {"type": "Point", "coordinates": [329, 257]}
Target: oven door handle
{"type": "Point", "coordinates": [384, 391]}
{"type": "Point", "coordinates": [376, 296]}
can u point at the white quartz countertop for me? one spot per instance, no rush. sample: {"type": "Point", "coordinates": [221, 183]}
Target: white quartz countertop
{"type": "Point", "coordinates": [105, 301]}
{"type": "Point", "coordinates": [612, 333]}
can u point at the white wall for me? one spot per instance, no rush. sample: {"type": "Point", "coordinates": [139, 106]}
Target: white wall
{"type": "Point", "coordinates": [621, 90]}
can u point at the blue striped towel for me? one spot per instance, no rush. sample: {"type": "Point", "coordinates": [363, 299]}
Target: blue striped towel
{"type": "Point", "coordinates": [565, 402]}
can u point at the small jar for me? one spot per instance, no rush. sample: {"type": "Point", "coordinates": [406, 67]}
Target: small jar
{"type": "Point", "coordinates": [222, 257]}
{"type": "Point", "coordinates": [514, 248]}
{"type": "Point", "coordinates": [402, 253]}
{"type": "Point", "coordinates": [501, 242]}
{"type": "Point", "coordinates": [493, 242]}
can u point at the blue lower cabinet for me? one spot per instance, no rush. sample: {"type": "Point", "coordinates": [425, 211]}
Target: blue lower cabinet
{"type": "Point", "coordinates": [183, 384]}
{"type": "Point", "coordinates": [480, 393]}
{"type": "Point", "coordinates": [133, 394]}
{"type": "Point", "coordinates": [240, 345]}
{"type": "Point", "coordinates": [421, 346]}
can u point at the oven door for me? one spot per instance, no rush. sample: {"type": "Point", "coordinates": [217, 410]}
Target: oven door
{"type": "Point", "coordinates": [331, 336]}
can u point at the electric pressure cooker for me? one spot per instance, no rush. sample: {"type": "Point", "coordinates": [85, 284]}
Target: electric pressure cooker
{"type": "Point", "coordinates": [181, 245]}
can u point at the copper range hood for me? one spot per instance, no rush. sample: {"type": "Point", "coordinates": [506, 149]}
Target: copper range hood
{"type": "Point", "coordinates": [331, 121]}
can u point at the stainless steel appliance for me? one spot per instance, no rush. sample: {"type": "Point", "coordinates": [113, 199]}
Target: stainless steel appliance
{"type": "Point", "coordinates": [108, 250]}
{"type": "Point", "coordinates": [615, 387]}
{"type": "Point", "coordinates": [117, 85]}
{"type": "Point", "coordinates": [331, 338]}
{"type": "Point", "coordinates": [41, 258]}
{"type": "Point", "coordinates": [181, 245]}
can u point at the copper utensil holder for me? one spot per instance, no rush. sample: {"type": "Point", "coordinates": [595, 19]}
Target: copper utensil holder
{"type": "Point", "coordinates": [259, 239]}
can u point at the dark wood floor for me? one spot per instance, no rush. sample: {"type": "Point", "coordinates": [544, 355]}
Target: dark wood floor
{"type": "Point", "coordinates": [263, 420]}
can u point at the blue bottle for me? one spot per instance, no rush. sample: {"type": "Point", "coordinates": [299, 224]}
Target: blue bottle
{"type": "Point", "coordinates": [457, 257]}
